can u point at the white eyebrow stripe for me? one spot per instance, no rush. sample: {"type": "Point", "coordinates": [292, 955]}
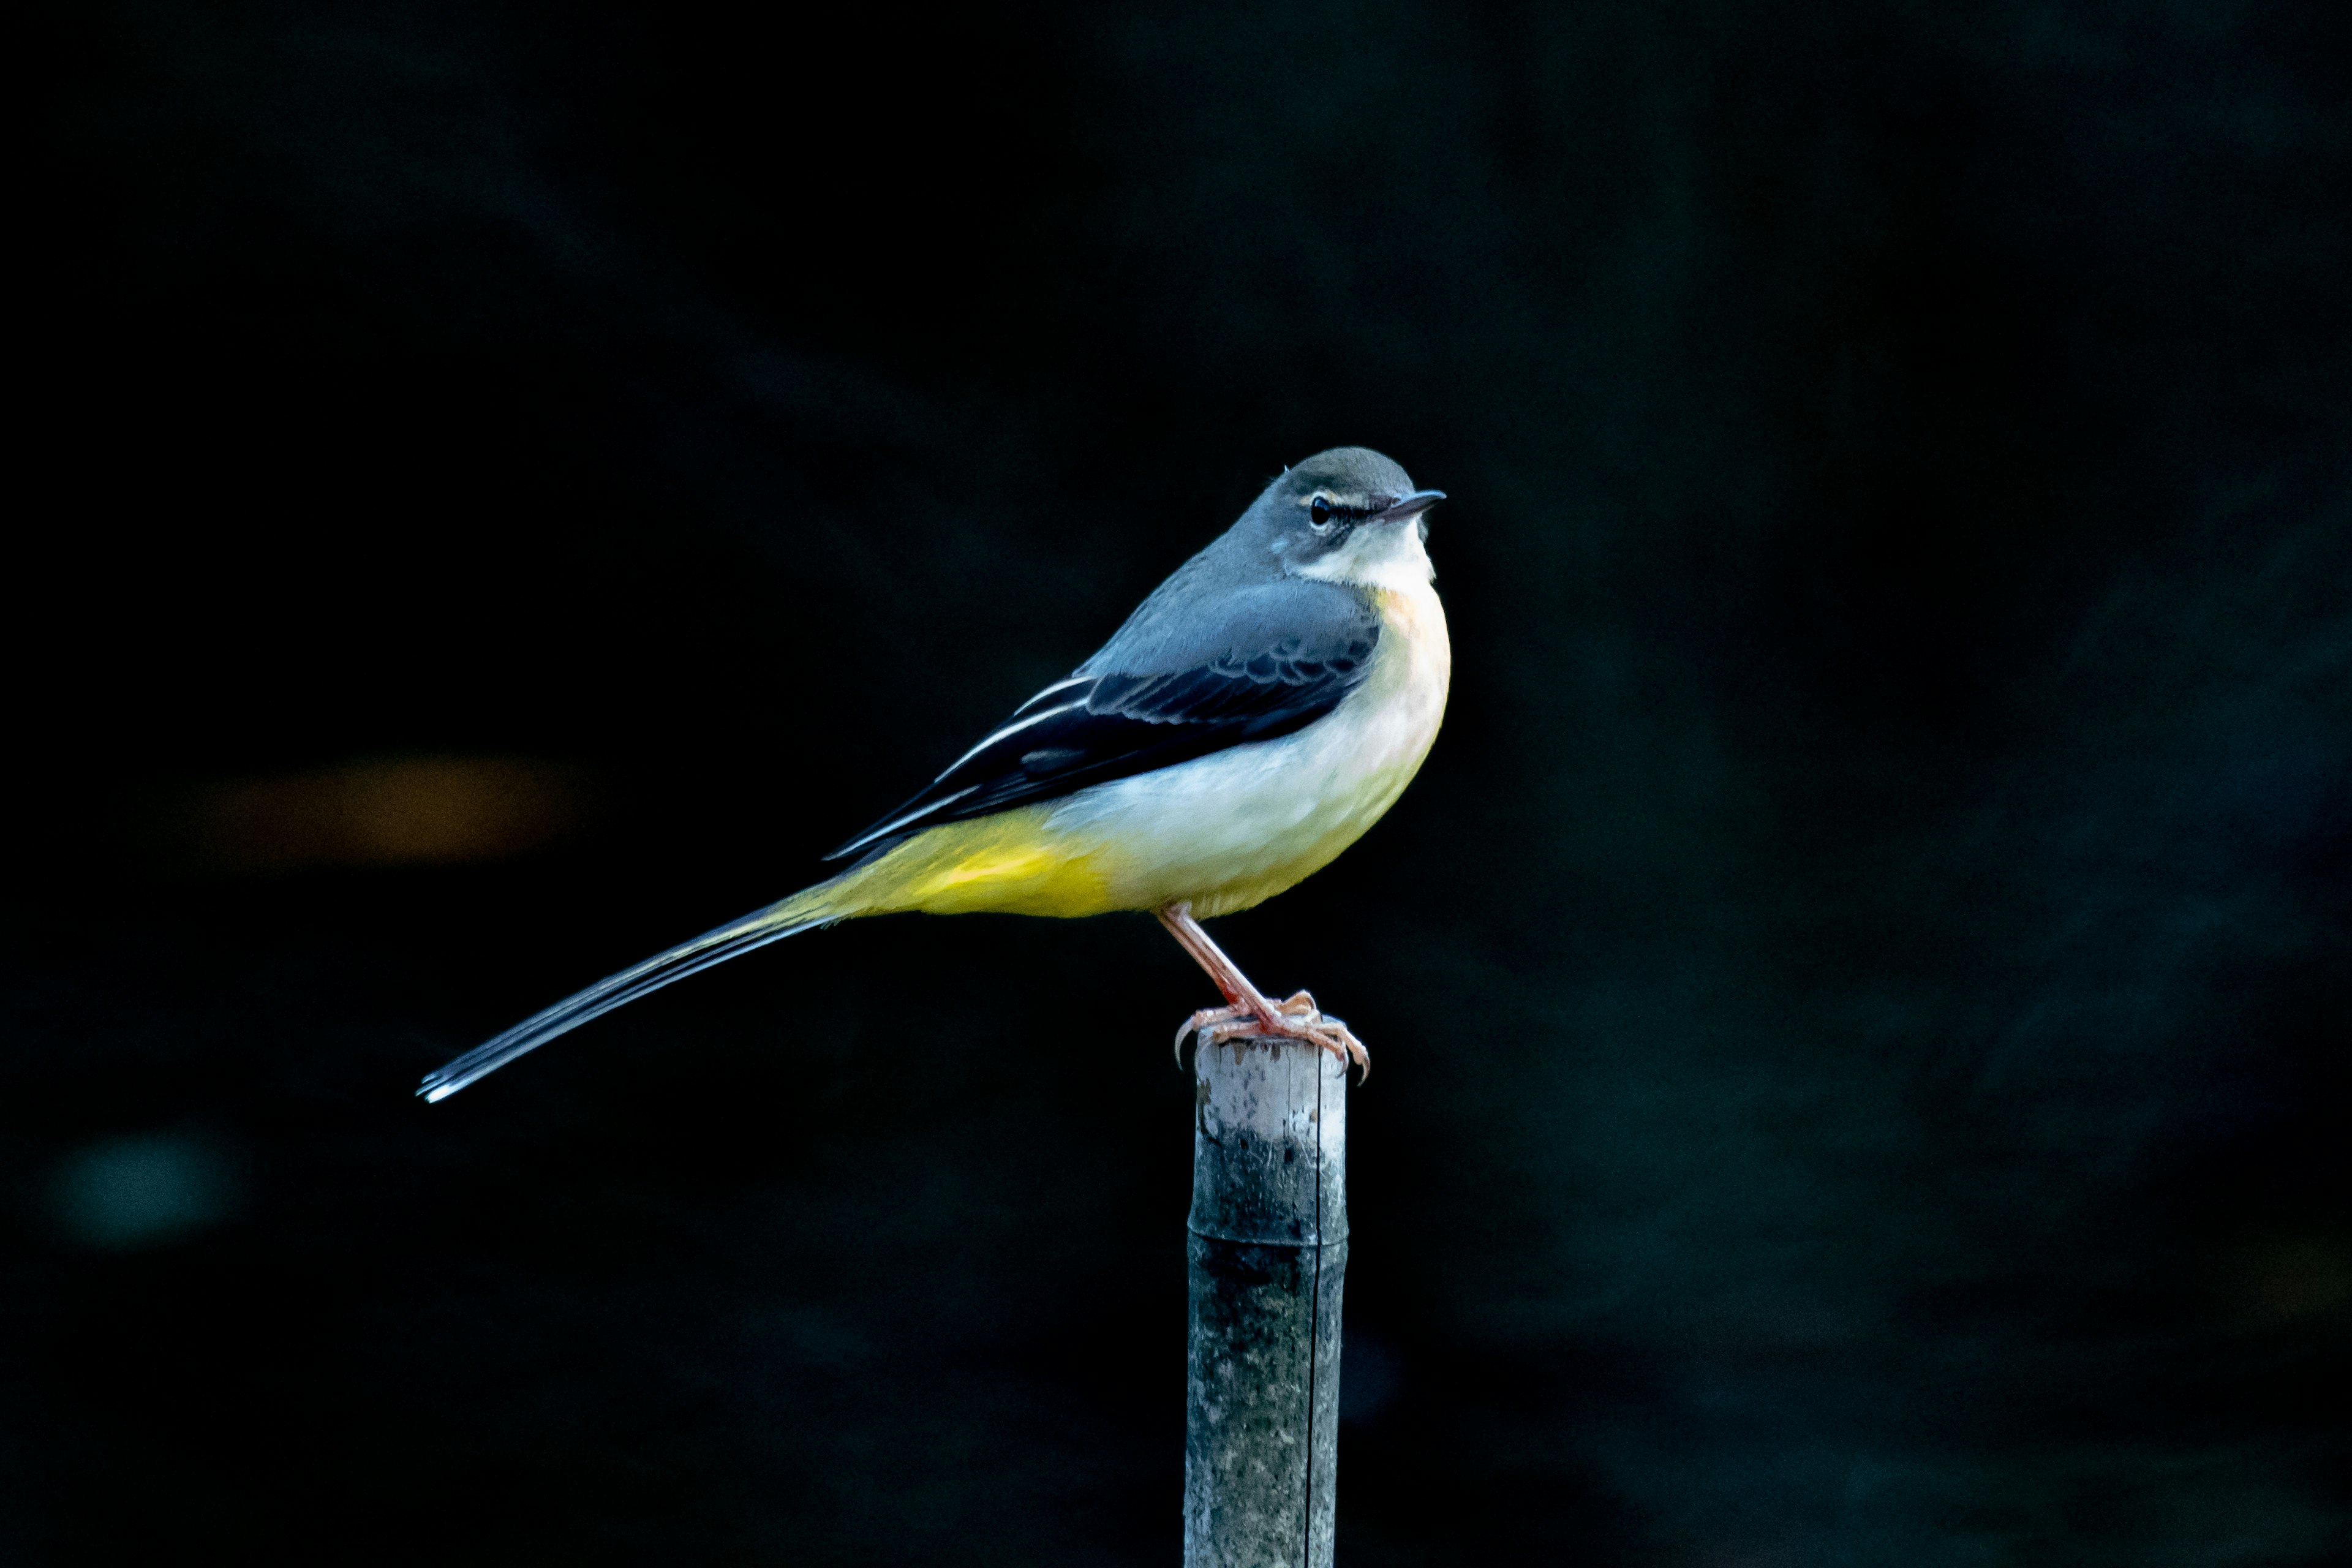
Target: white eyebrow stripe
{"type": "Point", "coordinates": [1008, 729]}
{"type": "Point", "coordinates": [896, 823]}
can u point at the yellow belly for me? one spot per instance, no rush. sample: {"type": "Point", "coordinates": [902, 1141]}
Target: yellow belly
{"type": "Point", "coordinates": [1221, 832]}
{"type": "Point", "coordinates": [1010, 863]}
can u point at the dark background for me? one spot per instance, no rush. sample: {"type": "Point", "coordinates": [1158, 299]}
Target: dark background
{"type": "Point", "coordinates": [1860, 990]}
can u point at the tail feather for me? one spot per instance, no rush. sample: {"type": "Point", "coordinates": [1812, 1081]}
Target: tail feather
{"type": "Point", "coordinates": [790, 918]}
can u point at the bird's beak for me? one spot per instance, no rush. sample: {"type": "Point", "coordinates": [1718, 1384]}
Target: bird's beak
{"type": "Point", "coordinates": [1409, 506]}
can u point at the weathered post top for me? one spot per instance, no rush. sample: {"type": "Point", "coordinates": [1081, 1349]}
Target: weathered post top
{"type": "Point", "coordinates": [1269, 1248]}
{"type": "Point", "coordinates": [1269, 1144]}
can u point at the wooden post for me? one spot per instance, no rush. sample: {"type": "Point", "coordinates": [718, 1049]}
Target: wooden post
{"type": "Point", "coordinates": [1269, 1254]}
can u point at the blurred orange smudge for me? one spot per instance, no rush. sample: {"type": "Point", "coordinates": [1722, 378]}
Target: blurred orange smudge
{"type": "Point", "coordinates": [2295, 1279]}
{"type": "Point", "coordinates": [400, 811]}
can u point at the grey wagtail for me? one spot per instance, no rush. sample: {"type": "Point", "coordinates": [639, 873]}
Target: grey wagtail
{"type": "Point", "coordinates": [1260, 709]}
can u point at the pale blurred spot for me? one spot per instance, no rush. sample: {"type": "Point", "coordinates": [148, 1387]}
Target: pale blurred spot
{"type": "Point", "coordinates": [142, 1191]}
{"type": "Point", "coordinates": [2295, 1279]}
{"type": "Point", "coordinates": [400, 811]}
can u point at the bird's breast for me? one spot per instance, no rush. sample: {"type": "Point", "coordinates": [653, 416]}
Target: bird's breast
{"type": "Point", "coordinates": [1234, 828]}
{"type": "Point", "coordinates": [1414, 661]}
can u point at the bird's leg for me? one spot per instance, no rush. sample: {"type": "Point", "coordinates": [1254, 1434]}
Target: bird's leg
{"type": "Point", "coordinates": [1247, 1013]}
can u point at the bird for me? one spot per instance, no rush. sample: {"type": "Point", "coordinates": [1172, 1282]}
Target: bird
{"type": "Point", "coordinates": [1258, 711]}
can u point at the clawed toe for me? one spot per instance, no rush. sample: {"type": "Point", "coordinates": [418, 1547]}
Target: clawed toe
{"type": "Point", "coordinates": [1252, 1017]}
{"type": "Point", "coordinates": [1210, 1018]}
{"type": "Point", "coordinates": [1297, 1018]}
{"type": "Point", "coordinates": [1334, 1036]}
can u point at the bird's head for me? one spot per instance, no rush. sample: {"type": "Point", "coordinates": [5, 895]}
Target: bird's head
{"type": "Point", "coordinates": [1348, 515]}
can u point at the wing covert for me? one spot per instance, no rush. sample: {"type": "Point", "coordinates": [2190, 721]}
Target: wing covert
{"type": "Point", "coordinates": [1101, 725]}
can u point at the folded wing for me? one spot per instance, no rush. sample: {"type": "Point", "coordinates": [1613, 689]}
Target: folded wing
{"type": "Point", "coordinates": [1272, 660]}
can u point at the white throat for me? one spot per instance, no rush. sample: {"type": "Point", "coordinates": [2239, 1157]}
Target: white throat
{"type": "Point", "coordinates": [1389, 556]}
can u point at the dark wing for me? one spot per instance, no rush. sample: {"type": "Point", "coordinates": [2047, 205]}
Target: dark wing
{"type": "Point", "coordinates": [1099, 726]}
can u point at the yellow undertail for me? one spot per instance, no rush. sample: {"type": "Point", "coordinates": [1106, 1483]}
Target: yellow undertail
{"type": "Point", "coordinates": [1006, 864]}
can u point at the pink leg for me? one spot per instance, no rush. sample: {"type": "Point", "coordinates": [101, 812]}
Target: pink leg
{"type": "Point", "coordinates": [1247, 1014]}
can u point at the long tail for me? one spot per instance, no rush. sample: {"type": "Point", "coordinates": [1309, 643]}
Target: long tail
{"type": "Point", "coordinates": [812, 906]}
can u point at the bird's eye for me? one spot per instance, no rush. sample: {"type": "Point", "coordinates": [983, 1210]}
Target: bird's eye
{"type": "Point", "coordinates": [1318, 512]}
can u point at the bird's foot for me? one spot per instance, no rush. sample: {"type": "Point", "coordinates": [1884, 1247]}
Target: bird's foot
{"type": "Point", "coordinates": [1297, 1018]}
